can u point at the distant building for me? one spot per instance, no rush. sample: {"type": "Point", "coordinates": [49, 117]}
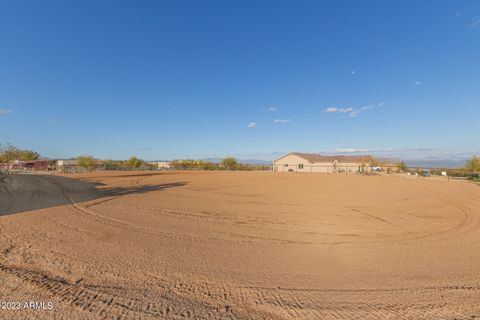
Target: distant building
{"type": "Point", "coordinates": [316, 163]}
{"type": "Point", "coordinates": [164, 165]}
{"type": "Point", "coordinates": [40, 165]}
{"type": "Point", "coordinates": [36, 165]}
{"type": "Point", "coordinates": [67, 162]}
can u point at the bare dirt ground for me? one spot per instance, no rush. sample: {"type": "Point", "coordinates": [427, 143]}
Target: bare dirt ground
{"type": "Point", "coordinates": [239, 245]}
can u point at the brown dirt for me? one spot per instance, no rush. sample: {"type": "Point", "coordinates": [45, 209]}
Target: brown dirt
{"type": "Point", "coordinates": [238, 245]}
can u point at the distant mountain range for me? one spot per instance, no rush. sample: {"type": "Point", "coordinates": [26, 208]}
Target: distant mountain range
{"type": "Point", "coordinates": [430, 163]}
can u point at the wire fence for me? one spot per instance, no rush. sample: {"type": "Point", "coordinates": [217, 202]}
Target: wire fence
{"type": "Point", "coordinates": [106, 167]}
{"type": "Point", "coordinates": [408, 172]}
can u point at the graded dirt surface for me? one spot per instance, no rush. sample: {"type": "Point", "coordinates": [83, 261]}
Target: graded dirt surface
{"type": "Point", "coordinates": [239, 245]}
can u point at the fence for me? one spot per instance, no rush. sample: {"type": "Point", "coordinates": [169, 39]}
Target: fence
{"type": "Point", "coordinates": [106, 167]}
{"type": "Point", "coordinates": [410, 172]}
{"type": "Point", "coordinates": [330, 168]}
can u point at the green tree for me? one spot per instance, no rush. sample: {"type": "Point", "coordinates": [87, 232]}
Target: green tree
{"type": "Point", "coordinates": [473, 164]}
{"type": "Point", "coordinates": [230, 163]}
{"type": "Point", "coordinates": [10, 152]}
{"type": "Point", "coordinates": [108, 162]}
{"type": "Point", "coordinates": [401, 166]}
{"type": "Point", "coordinates": [28, 155]}
{"type": "Point", "coordinates": [135, 162]}
{"type": "Point", "coordinates": [86, 162]}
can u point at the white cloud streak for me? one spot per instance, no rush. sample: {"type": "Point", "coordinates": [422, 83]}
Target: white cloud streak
{"type": "Point", "coordinates": [352, 112]}
{"type": "Point", "coordinates": [331, 110]}
{"type": "Point", "coordinates": [345, 110]}
{"type": "Point", "coordinates": [4, 112]}
{"type": "Point", "coordinates": [418, 83]}
{"type": "Point", "coordinates": [252, 125]}
{"type": "Point", "coordinates": [355, 150]}
{"type": "Point", "coordinates": [281, 121]}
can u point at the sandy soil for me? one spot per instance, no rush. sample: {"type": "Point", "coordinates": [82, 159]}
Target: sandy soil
{"type": "Point", "coordinates": [237, 245]}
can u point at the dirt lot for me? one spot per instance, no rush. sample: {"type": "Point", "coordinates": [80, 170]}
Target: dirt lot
{"type": "Point", "coordinates": [237, 245]}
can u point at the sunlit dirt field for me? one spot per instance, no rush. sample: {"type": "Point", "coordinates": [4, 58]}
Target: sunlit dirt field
{"type": "Point", "coordinates": [238, 245]}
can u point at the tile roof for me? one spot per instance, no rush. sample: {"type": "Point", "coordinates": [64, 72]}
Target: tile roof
{"type": "Point", "coordinates": [313, 157]}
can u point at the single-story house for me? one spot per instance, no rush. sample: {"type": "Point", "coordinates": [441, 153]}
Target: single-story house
{"type": "Point", "coordinates": [311, 162]}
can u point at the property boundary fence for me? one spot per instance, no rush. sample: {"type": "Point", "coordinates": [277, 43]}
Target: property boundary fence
{"type": "Point", "coordinates": [104, 168]}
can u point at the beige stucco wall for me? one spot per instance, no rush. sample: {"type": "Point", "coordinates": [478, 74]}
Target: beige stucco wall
{"type": "Point", "coordinates": [291, 162]}
{"type": "Point", "coordinates": [353, 167]}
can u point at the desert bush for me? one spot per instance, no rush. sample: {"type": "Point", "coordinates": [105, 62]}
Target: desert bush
{"type": "Point", "coordinates": [135, 162]}
{"type": "Point", "coordinates": [230, 163]}
{"type": "Point", "coordinates": [86, 162]}
{"type": "Point", "coordinates": [10, 152]}
{"type": "Point", "coordinates": [473, 164]}
{"type": "Point", "coordinates": [401, 166]}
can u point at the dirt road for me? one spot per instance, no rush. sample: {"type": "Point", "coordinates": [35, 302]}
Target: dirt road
{"type": "Point", "coordinates": [238, 245]}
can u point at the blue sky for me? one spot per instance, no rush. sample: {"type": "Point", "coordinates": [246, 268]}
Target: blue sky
{"type": "Point", "coordinates": [176, 79]}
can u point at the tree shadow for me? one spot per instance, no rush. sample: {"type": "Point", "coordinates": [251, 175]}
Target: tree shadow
{"type": "Point", "coordinates": [23, 193]}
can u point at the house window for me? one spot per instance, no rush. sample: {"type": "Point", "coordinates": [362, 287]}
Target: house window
{"type": "Point", "coordinates": [286, 165]}
{"type": "Point", "coordinates": [300, 166]}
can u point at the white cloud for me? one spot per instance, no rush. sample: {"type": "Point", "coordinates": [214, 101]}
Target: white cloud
{"type": "Point", "coordinates": [4, 112]}
{"type": "Point", "coordinates": [349, 150]}
{"type": "Point", "coordinates": [331, 110]}
{"type": "Point", "coordinates": [353, 71]}
{"type": "Point", "coordinates": [270, 109]}
{"type": "Point", "coordinates": [55, 122]}
{"type": "Point", "coordinates": [252, 125]}
{"type": "Point", "coordinates": [418, 83]}
{"type": "Point", "coordinates": [281, 121]}
{"type": "Point", "coordinates": [345, 110]}
{"type": "Point", "coordinates": [352, 112]}
{"type": "Point", "coordinates": [355, 150]}
{"type": "Point", "coordinates": [367, 107]}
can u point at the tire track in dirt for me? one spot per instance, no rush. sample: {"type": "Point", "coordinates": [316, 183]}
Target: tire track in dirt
{"type": "Point", "coordinates": [288, 303]}
{"type": "Point", "coordinates": [299, 303]}
{"type": "Point", "coordinates": [469, 221]}
{"type": "Point", "coordinates": [117, 223]}
{"type": "Point", "coordinates": [104, 304]}
{"type": "Point", "coordinates": [127, 226]}
{"type": "Point", "coordinates": [108, 305]}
